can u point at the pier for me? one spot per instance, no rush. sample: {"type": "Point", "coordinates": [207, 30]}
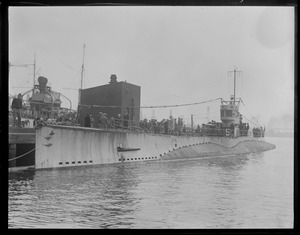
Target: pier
{"type": "Point", "coordinates": [21, 147]}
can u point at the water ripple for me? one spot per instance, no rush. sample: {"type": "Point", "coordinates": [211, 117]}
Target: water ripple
{"type": "Point", "coordinates": [245, 191]}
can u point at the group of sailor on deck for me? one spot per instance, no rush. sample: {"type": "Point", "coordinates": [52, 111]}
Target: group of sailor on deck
{"type": "Point", "coordinates": [171, 126]}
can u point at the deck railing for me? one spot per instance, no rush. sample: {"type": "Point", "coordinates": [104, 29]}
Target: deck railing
{"type": "Point", "coordinates": [150, 127]}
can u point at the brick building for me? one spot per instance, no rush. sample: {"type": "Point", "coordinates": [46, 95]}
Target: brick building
{"type": "Point", "coordinates": [123, 95]}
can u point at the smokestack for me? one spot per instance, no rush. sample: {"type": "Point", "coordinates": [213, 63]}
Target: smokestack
{"type": "Point", "coordinates": [42, 83]}
{"type": "Point", "coordinates": [113, 79]}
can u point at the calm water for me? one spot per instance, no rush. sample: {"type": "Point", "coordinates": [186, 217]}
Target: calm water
{"type": "Point", "coordinates": [249, 191]}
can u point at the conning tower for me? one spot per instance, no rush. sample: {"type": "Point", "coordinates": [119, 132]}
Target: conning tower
{"type": "Point", "coordinates": [230, 116]}
{"type": "Point", "coordinates": [230, 112]}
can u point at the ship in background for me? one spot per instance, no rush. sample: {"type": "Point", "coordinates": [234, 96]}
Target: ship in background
{"type": "Point", "coordinates": [43, 102]}
{"type": "Point", "coordinates": [40, 102]}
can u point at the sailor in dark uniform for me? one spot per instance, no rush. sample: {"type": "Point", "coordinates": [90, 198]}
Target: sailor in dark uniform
{"type": "Point", "coordinates": [17, 107]}
{"type": "Point", "coordinates": [87, 120]}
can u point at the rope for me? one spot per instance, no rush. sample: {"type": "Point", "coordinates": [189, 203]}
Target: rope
{"type": "Point", "coordinates": [11, 159]}
{"type": "Point", "coordinates": [145, 107]}
{"type": "Point", "coordinates": [257, 124]}
{"type": "Point", "coordinates": [56, 57]}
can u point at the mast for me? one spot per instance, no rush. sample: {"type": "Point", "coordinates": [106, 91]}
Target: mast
{"type": "Point", "coordinates": [34, 71]}
{"type": "Point", "coordinates": [81, 81]}
{"type": "Point", "coordinates": [235, 73]}
{"type": "Point", "coordinates": [82, 68]}
{"type": "Point", "coordinates": [82, 71]}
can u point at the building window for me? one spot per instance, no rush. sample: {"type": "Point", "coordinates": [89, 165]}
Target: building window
{"type": "Point", "coordinates": [222, 113]}
{"type": "Point", "coordinates": [228, 113]}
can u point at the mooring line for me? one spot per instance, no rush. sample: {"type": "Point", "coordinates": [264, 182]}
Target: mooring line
{"type": "Point", "coordinates": [11, 159]}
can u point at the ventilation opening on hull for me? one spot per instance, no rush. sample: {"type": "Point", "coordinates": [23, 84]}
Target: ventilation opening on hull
{"type": "Point", "coordinates": [84, 161]}
{"type": "Point", "coordinates": [60, 163]}
{"type": "Point", "coordinates": [67, 162]}
{"type": "Point", "coordinates": [79, 162]}
{"type": "Point", "coordinates": [73, 162]}
{"type": "Point", "coordinates": [91, 161]}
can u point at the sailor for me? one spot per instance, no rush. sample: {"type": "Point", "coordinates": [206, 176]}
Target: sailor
{"type": "Point", "coordinates": [166, 126]}
{"type": "Point", "coordinates": [60, 118]}
{"type": "Point", "coordinates": [172, 125]}
{"type": "Point", "coordinates": [126, 118]}
{"type": "Point", "coordinates": [145, 125]}
{"type": "Point", "coordinates": [103, 121]}
{"type": "Point", "coordinates": [180, 125]}
{"type": "Point", "coordinates": [105, 118]}
{"type": "Point", "coordinates": [87, 120]}
{"type": "Point", "coordinates": [17, 107]}
{"type": "Point", "coordinates": [184, 129]}
{"type": "Point", "coordinates": [118, 121]}
{"type": "Point", "coordinates": [92, 120]}
{"type": "Point", "coordinates": [175, 126]}
{"type": "Point", "coordinates": [99, 119]}
{"type": "Point", "coordinates": [247, 129]}
{"type": "Point", "coordinates": [261, 130]}
{"type": "Point", "coordinates": [35, 120]}
{"type": "Point", "coordinates": [155, 127]}
{"type": "Point", "coordinates": [198, 129]}
{"type": "Point", "coordinates": [112, 123]}
{"type": "Point", "coordinates": [254, 132]}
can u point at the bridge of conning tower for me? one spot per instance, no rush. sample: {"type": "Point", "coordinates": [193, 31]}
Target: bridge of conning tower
{"type": "Point", "coordinates": [230, 112]}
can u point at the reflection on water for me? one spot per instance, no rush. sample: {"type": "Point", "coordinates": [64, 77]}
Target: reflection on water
{"type": "Point", "coordinates": [246, 191]}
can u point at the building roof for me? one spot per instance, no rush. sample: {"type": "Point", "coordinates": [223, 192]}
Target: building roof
{"type": "Point", "coordinates": [113, 84]}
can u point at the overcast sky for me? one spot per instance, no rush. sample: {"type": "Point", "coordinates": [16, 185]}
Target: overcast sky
{"type": "Point", "coordinates": [176, 54]}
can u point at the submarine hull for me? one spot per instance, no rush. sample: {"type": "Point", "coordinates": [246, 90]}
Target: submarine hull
{"type": "Point", "coordinates": [64, 146]}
